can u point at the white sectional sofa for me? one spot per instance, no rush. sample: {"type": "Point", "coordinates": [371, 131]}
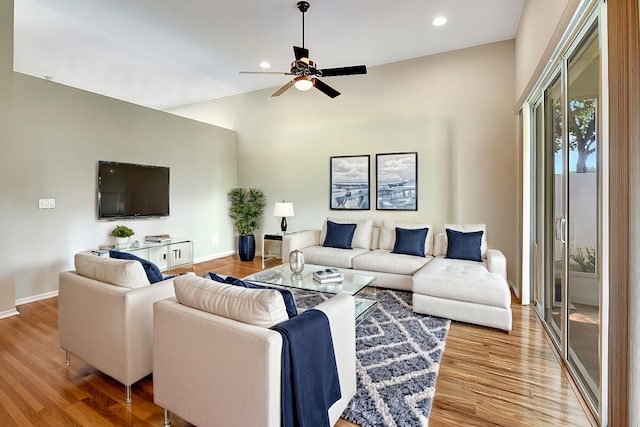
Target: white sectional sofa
{"type": "Point", "coordinates": [460, 289]}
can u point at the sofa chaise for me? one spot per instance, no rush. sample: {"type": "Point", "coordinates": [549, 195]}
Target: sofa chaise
{"type": "Point", "coordinates": [446, 283]}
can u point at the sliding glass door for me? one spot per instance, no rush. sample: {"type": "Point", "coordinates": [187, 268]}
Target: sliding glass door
{"type": "Point", "coordinates": [565, 218]}
{"type": "Point", "coordinates": [583, 77]}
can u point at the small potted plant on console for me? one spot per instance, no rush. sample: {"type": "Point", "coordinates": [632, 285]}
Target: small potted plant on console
{"type": "Point", "coordinates": [122, 233]}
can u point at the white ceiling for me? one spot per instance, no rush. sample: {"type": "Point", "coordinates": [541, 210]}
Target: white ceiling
{"type": "Point", "coordinates": [165, 53]}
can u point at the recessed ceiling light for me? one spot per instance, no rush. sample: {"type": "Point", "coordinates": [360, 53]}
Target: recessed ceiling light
{"type": "Point", "coordinates": [265, 64]}
{"type": "Point", "coordinates": [439, 21]}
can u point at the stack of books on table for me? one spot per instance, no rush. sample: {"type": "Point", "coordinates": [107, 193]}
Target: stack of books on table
{"type": "Point", "coordinates": [328, 275]}
{"type": "Point", "coordinates": [158, 238]}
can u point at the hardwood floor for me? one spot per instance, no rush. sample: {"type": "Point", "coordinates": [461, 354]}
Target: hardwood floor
{"type": "Point", "coordinates": [487, 377]}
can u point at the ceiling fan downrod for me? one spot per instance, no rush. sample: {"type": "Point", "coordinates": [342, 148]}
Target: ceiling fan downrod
{"type": "Point", "coordinates": [303, 6]}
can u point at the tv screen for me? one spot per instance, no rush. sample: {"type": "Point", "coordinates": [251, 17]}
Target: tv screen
{"type": "Point", "coordinates": [128, 190]}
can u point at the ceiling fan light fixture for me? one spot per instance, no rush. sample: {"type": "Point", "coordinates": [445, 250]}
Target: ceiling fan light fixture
{"type": "Point", "coordinates": [303, 83]}
{"type": "Point", "coordinates": [306, 75]}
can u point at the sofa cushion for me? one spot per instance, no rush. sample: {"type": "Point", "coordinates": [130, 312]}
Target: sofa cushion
{"type": "Point", "coordinates": [287, 296]}
{"type": "Point", "coordinates": [118, 272]}
{"type": "Point", "coordinates": [362, 235]}
{"type": "Point", "coordinates": [339, 235]}
{"type": "Point", "coordinates": [151, 270]}
{"type": "Point", "coordinates": [467, 228]}
{"type": "Point", "coordinates": [388, 234]}
{"type": "Point", "coordinates": [382, 260]}
{"type": "Point", "coordinates": [410, 241]}
{"type": "Point", "coordinates": [331, 257]}
{"type": "Point", "coordinates": [462, 281]}
{"type": "Point", "coordinates": [463, 245]}
{"type": "Point", "coordinates": [259, 307]}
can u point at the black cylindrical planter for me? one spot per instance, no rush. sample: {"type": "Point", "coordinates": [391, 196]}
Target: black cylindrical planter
{"type": "Point", "coordinates": [247, 247]}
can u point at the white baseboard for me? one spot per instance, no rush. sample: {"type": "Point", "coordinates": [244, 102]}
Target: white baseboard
{"type": "Point", "coordinates": [9, 313]}
{"type": "Point", "coordinates": [35, 298]}
{"type": "Point", "coordinates": [214, 256]}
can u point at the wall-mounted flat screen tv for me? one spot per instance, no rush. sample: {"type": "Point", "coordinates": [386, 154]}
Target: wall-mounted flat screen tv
{"type": "Point", "coordinates": [127, 190]}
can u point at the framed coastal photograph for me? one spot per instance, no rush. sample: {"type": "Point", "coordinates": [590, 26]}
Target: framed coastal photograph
{"type": "Point", "coordinates": [350, 183]}
{"type": "Point", "coordinates": [397, 181]}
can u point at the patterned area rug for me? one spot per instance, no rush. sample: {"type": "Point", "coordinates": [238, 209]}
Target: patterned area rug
{"type": "Point", "coordinates": [398, 355]}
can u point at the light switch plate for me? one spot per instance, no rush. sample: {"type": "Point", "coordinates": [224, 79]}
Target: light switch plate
{"type": "Point", "coordinates": [46, 203]}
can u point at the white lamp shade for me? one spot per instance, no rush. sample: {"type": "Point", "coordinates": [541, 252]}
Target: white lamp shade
{"type": "Point", "coordinates": [283, 209]}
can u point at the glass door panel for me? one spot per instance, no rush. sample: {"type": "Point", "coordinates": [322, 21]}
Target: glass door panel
{"type": "Point", "coordinates": [537, 223]}
{"type": "Point", "coordinates": [554, 209]}
{"type": "Point", "coordinates": [583, 76]}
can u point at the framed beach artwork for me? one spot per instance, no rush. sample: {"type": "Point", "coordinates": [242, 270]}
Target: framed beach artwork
{"type": "Point", "coordinates": [350, 183]}
{"type": "Point", "coordinates": [397, 181]}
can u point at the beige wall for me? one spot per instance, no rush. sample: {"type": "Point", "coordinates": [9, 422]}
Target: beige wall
{"type": "Point", "coordinates": [541, 26]}
{"type": "Point", "coordinates": [455, 109]}
{"type": "Point", "coordinates": [7, 291]}
{"type": "Point", "coordinates": [50, 148]}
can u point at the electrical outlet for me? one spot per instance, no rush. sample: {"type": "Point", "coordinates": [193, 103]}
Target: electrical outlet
{"type": "Point", "coordinates": [215, 239]}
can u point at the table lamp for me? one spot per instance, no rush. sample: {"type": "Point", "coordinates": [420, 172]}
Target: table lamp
{"type": "Point", "coordinates": [283, 209]}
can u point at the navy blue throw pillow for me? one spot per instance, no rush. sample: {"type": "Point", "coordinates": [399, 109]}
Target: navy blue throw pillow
{"type": "Point", "coordinates": [410, 241]}
{"type": "Point", "coordinates": [339, 235]}
{"type": "Point", "coordinates": [153, 272]}
{"type": "Point", "coordinates": [287, 296]}
{"type": "Point", "coordinates": [464, 245]}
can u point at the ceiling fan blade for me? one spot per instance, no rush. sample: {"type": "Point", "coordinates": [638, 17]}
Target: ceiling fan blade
{"type": "Point", "coordinates": [266, 72]}
{"type": "Point", "coordinates": [325, 88]}
{"type": "Point", "coordinates": [344, 71]}
{"type": "Point", "coordinates": [300, 52]}
{"type": "Point", "coordinates": [283, 89]}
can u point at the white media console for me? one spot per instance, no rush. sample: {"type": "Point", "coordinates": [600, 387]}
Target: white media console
{"type": "Point", "coordinates": [167, 255]}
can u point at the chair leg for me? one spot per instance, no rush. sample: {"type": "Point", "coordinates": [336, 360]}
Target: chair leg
{"type": "Point", "coordinates": [127, 394]}
{"type": "Point", "coordinates": [67, 358]}
{"type": "Point", "coordinates": [167, 421]}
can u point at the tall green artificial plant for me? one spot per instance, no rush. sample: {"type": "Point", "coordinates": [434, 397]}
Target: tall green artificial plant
{"type": "Point", "coordinates": [247, 208]}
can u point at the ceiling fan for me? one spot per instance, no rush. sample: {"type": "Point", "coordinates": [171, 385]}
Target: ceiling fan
{"type": "Point", "coordinates": [305, 72]}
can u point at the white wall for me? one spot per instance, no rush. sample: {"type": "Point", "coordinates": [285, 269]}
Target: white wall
{"type": "Point", "coordinates": [455, 109]}
{"type": "Point", "coordinates": [50, 149]}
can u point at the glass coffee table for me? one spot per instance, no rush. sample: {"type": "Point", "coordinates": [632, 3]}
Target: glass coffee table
{"type": "Point", "coordinates": [352, 284]}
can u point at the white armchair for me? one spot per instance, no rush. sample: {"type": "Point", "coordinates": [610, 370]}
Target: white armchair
{"type": "Point", "coordinates": [215, 371]}
{"type": "Point", "coordinates": [105, 311]}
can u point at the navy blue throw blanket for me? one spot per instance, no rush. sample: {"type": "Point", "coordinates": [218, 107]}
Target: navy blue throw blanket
{"type": "Point", "coordinates": [310, 383]}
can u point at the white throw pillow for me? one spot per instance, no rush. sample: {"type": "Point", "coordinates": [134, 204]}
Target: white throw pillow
{"type": "Point", "coordinates": [388, 234]}
{"type": "Point", "coordinates": [362, 235]}
{"type": "Point", "coordinates": [259, 307]}
{"type": "Point", "coordinates": [439, 245]}
{"type": "Point", "coordinates": [467, 228]}
{"type": "Point", "coordinates": [118, 272]}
